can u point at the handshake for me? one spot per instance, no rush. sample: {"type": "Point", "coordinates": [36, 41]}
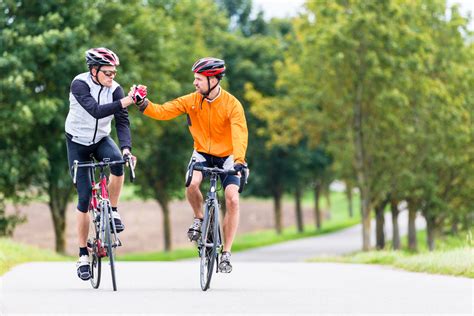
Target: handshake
{"type": "Point", "coordinates": [138, 94]}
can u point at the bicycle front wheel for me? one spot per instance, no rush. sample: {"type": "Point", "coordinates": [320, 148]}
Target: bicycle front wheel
{"type": "Point", "coordinates": [110, 243]}
{"type": "Point", "coordinates": [208, 251]}
{"type": "Point", "coordinates": [93, 243]}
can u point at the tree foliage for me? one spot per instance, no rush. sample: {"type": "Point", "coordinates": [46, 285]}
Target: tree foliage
{"type": "Point", "coordinates": [376, 93]}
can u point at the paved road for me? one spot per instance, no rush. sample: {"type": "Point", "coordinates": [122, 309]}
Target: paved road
{"type": "Point", "coordinates": [287, 287]}
{"type": "Point", "coordinates": [253, 288]}
{"type": "Point", "coordinates": [342, 242]}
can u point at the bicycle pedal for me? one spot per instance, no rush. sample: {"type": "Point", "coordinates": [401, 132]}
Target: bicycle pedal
{"type": "Point", "coordinates": [89, 246]}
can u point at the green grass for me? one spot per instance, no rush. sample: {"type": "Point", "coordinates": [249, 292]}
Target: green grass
{"type": "Point", "coordinates": [454, 255]}
{"type": "Point", "coordinates": [269, 237]}
{"type": "Point", "coordinates": [12, 253]}
{"type": "Point", "coordinates": [248, 241]}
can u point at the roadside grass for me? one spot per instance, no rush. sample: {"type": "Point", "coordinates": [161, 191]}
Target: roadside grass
{"type": "Point", "coordinates": [454, 255]}
{"type": "Point", "coordinates": [339, 220]}
{"type": "Point", "coordinates": [12, 253]}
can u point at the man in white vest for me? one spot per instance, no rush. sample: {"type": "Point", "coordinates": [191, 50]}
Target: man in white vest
{"type": "Point", "coordinates": [95, 99]}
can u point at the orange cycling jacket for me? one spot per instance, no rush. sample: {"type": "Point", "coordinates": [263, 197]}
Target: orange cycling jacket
{"type": "Point", "coordinates": [218, 127]}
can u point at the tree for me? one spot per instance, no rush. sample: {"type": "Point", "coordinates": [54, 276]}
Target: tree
{"type": "Point", "coordinates": [43, 52]}
{"type": "Point", "coordinates": [376, 72]}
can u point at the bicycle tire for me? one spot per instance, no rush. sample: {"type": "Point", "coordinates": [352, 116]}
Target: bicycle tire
{"type": "Point", "coordinates": [208, 254]}
{"type": "Point", "coordinates": [110, 248]}
{"type": "Point", "coordinates": [96, 269]}
{"type": "Point", "coordinates": [96, 262]}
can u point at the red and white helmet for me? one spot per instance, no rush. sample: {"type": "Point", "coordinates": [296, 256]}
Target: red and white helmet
{"type": "Point", "coordinates": [101, 56]}
{"type": "Point", "coordinates": [209, 66]}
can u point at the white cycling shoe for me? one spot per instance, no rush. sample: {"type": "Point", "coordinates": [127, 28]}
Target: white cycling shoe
{"type": "Point", "coordinates": [83, 268]}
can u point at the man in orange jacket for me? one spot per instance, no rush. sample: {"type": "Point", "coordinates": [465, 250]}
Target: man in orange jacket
{"type": "Point", "coordinates": [217, 123]}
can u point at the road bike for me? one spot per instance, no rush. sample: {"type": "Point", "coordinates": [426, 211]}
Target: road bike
{"type": "Point", "coordinates": [210, 242]}
{"type": "Point", "coordinates": [103, 238]}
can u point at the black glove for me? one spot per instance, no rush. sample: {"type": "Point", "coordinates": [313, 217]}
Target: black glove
{"type": "Point", "coordinates": [239, 167]}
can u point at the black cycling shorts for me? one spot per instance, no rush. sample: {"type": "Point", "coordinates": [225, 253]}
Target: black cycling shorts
{"type": "Point", "coordinates": [105, 148]}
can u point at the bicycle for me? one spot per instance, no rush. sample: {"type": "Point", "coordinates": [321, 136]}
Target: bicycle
{"type": "Point", "coordinates": [210, 241]}
{"type": "Point", "coordinates": [103, 238]}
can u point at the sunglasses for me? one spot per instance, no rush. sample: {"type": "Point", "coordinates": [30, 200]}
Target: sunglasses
{"type": "Point", "coordinates": [109, 73]}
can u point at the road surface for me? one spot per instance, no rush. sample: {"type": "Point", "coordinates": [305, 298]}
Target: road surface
{"type": "Point", "coordinates": [271, 280]}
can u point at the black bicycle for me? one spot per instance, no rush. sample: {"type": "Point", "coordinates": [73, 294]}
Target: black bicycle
{"type": "Point", "coordinates": [103, 238]}
{"type": "Point", "coordinates": [210, 242]}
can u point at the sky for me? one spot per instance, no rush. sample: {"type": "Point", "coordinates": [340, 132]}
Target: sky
{"type": "Point", "coordinates": [286, 8]}
{"type": "Point", "coordinates": [278, 8]}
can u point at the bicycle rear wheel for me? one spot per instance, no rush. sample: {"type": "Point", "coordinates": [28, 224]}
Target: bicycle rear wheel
{"type": "Point", "coordinates": [110, 243]}
{"type": "Point", "coordinates": [93, 243]}
{"type": "Point", "coordinates": [208, 252]}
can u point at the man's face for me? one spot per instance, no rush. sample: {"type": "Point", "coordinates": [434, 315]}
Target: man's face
{"type": "Point", "coordinates": [200, 83]}
{"type": "Point", "coordinates": [105, 75]}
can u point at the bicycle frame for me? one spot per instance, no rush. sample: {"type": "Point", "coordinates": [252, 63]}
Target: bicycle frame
{"type": "Point", "coordinates": [100, 204]}
{"type": "Point", "coordinates": [104, 240]}
{"type": "Point", "coordinates": [210, 241]}
{"type": "Point", "coordinates": [211, 200]}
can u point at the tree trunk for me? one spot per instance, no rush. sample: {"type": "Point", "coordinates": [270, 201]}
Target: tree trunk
{"type": "Point", "coordinates": [164, 203]}
{"type": "Point", "coordinates": [380, 225]}
{"type": "Point", "coordinates": [58, 200]}
{"type": "Point", "coordinates": [327, 194]}
{"type": "Point", "coordinates": [349, 199]}
{"type": "Point", "coordinates": [395, 229]}
{"type": "Point", "coordinates": [430, 233]}
{"type": "Point", "coordinates": [277, 210]}
{"type": "Point", "coordinates": [360, 161]}
{"type": "Point", "coordinates": [366, 221]}
{"type": "Point", "coordinates": [299, 212]}
{"type": "Point", "coordinates": [59, 225]}
{"type": "Point", "coordinates": [454, 226]}
{"type": "Point", "coordinates": [317, 210]}
{"type": "Point", "coordinates": [412, 242]}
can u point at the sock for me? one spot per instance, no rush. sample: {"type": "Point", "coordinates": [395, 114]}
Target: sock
{"type": "Point", "coordinates": [83, 251]}
{"type": "Point", "coordinates": [114, 209]}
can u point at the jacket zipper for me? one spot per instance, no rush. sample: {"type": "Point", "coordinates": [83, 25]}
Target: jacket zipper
{"type": "Point", "coordinates": [97, 120]}
{"type": "Point", "coordinates": [209, 105]}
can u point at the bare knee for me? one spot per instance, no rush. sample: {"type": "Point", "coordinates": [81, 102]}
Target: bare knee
{"type": "Point", "coordinates": [193, 187]}
{"type": "Point", "coordinates": [232, 201]}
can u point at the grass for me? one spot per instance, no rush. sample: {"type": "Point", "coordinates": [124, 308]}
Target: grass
{"type": "Point", "coordinates": [249, 240]}
{"type": "Point", "coordinates": [454, 255]}
{"type": "Point", "coordinates": [339, 220]}
{"type": "Point", "coordinates": [12, 253]}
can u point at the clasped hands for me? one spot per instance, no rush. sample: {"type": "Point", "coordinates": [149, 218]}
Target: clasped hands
{"type": "Point", "coordinates": [138, 94]}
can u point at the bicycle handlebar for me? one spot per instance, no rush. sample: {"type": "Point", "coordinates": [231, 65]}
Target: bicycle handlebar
{"type": "Point", "coordinates": [204, 170]}
{"type": "Point", "coordinates": [105, 163]}
{"type": "Point", "coordinates": [231, 172]}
